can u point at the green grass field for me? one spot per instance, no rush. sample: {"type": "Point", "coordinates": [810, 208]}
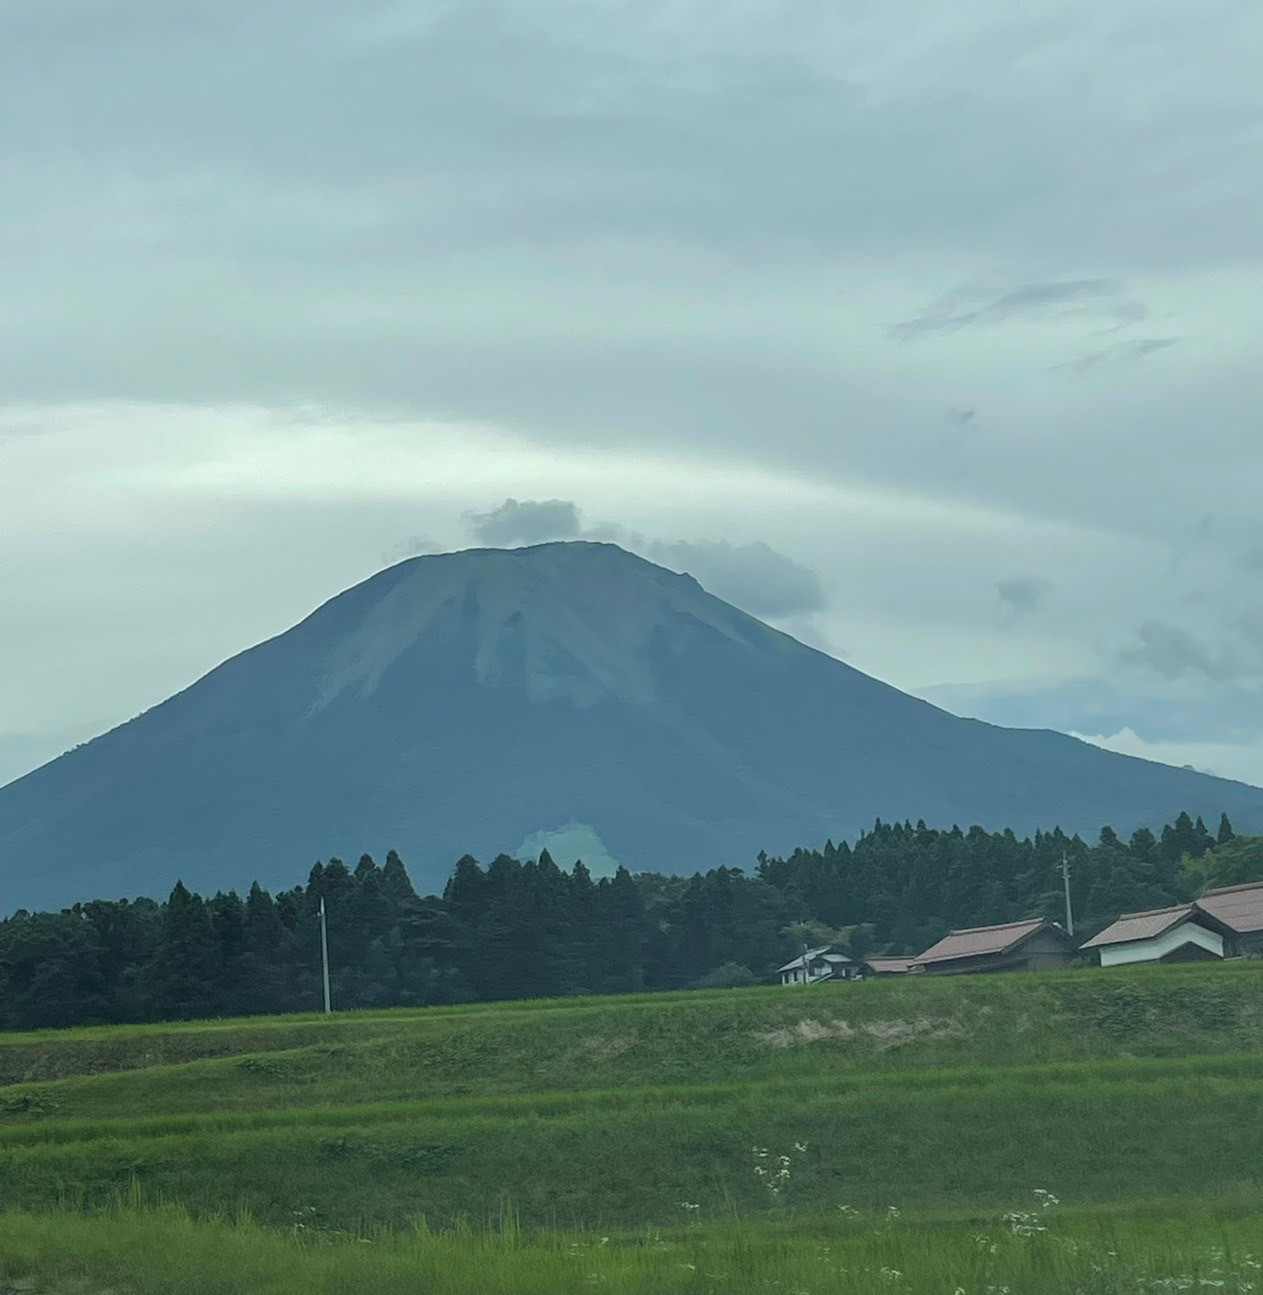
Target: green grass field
{"type": "Point", "coordinates": [912, 1117]}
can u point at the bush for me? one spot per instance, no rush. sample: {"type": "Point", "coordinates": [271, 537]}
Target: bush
{"type": "Point", "coordinates": [728, 975]}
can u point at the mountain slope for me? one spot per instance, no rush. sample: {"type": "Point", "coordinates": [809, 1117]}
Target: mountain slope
{"type": "Point", "coordinates": [466, 701]}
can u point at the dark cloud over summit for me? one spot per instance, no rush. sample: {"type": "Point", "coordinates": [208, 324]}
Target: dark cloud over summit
{"type": "Point", "coordinates": [530, 521]}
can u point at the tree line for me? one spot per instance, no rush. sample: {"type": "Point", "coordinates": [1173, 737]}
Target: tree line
{"type": "Point", "coordinates": [527, 929]}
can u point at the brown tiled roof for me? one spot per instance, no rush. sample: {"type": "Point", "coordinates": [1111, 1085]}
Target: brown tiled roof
{"type": "Point", "coordinates": [1157, 921]}
{"type": "Point", "coordinates": [891, 966]}
{"type": "Point", "coordinates": [979, 940]}
{"type": "Point", "coordinates": [1241, 907]}
{"type": "Point", "coordinates": [1143, 926]}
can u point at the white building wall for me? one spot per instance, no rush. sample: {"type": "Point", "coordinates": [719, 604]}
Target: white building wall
{"type": "Point", "coordinates": [1114, 955]}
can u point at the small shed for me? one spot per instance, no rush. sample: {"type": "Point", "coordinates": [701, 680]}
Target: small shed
{"type": "Point", "coordinates": [1241, 908]}
{"type": "Point", "coordinates": [817, 965]}
{"type": "Point", "coordinates": [1183, 933]}
{"type": "Point", "coordinates": [1035, 944]}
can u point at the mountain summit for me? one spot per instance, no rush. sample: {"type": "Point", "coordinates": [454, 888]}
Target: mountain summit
{"type": "Point", "coordinates": [569, 694]}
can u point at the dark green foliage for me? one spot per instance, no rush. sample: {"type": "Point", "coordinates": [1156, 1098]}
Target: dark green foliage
{"type": "Point", "coordinates": [731, 975]}
{"type": "Point", "coordinates": [185, 972]}
{"type": "Point", "coordinates": [530, 929]}
{"type": "Point", "coordinates": [1238, 859]}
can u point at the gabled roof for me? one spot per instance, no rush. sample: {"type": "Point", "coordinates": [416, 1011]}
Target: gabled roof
{"type": "Point", "coordinates": [1241, 907]}
{"type": "Point", "coordinates": [1145, 925]}
{"type": "Point", "coordinates": [977, 941]}
{"type": "Point", "coordinates": [825, 952]}
{"type": "Point", "coordinates": [1152, 923]}
{"type": "Point", "coordinates": [889, 966]}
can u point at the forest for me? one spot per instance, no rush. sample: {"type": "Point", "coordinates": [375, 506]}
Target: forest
{"type": "Point", "coordinates": [531, 929]}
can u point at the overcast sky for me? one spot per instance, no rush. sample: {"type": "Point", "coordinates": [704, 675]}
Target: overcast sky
{"type": "Point", "coordinates": [930, 332]}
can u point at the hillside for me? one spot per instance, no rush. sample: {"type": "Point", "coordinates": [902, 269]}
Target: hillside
{"type": "Point", "coordinates": [608, 1112]}
{"type": "Point", "coordinates": [488, 700]}
{"type": "Point", "coordinates": [722, 1142]}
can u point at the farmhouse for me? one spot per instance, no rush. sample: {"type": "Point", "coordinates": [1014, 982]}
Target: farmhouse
{"type": "Point", "coordinates": [1241, 908]}
{"type": "Point", "coordinates": [817, 965]}
{"type": "Point", "coordinates": [1184, 933]}
{"type": "Point", "coordinates": [1032, 945]}
{"type": "Point", "coordinates": [882, 967]}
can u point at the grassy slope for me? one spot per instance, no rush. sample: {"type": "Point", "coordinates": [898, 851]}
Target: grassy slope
{"type": "Point", "coordinates": [950, 1099]}
{"type": "Point", "coordinates": [612, 1112]}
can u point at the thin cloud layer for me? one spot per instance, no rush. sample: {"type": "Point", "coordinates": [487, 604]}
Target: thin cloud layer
{"type": "Point", "coordinates": [975, 305]}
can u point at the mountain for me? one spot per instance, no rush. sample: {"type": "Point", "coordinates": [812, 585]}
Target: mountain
{"type": "Point", "coordinates": [568, 694]}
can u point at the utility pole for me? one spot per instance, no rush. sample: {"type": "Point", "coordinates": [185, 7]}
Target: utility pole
{"type": "Point", "coordinates": [324, 954]}
{"type": "Point", "coordinates": [1065, 877]}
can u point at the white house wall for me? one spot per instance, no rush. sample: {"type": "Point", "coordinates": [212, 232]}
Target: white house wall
{"type": "Point", "coordinates": [1114, 955]}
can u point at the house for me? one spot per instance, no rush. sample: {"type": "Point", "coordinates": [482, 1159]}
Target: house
{"type": "Point", "coordinates": [817, 965]}
{"type": "Point", "coordinates": [1183, 933]}
{"type": "Point", "coordinates": [1241, 908]}
{"type": "Point", "coordinates": [883, 967]}
{"type": "Point", "coordinates": [1033, 945]}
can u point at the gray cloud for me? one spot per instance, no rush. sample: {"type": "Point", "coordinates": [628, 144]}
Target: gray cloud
{"type": "Point", "coordinates": [1024, 593]}
{"type": "Point", "coordinates": [972, 304]}
{"type": "Point", "coordinates": [529, 521]}
{"type": "Point", "coordinates": [1174, 651]}
{"type": "Point", "coordinates": [754, 577]}
{"type": "Point", "coordinates": [1136, 349]}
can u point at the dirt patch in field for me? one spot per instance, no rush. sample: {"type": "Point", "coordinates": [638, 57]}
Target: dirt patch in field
{"type": "Point", "coordinates": [885, 1034]}
{"type": "Point", "coordinates": [808, 1030]}
{"type": "Point", "coordinates": [601, 1048]}
{"type": "Point", "coordinates": [892, 1034]}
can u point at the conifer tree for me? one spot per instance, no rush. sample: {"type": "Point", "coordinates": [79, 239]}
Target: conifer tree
{"type": "Point", "coordinates": [181, 984]}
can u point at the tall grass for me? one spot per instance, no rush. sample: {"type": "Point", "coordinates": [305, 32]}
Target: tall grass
{"type": "Point", "coordinates": [164, 1251]}
{"type": "Point", "coordinates": [1099, 1133]}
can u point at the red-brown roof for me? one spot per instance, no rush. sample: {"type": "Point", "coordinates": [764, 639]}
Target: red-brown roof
{"type": "Point", "coordinates": [976, 941]}
{"type": "Point", "coordinates": [1241, 907]}
{"type": "Point", "coordinates": [1144, 926]}
{"type": "Point", "coordinates": [889, 966]}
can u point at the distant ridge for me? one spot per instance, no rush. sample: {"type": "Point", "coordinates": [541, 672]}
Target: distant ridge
{"type": "Point", "coordinates": [491, 700]}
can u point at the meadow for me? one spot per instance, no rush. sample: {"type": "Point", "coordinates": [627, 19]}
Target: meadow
{"type": "Point", "coordinates": [793, 1140]}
